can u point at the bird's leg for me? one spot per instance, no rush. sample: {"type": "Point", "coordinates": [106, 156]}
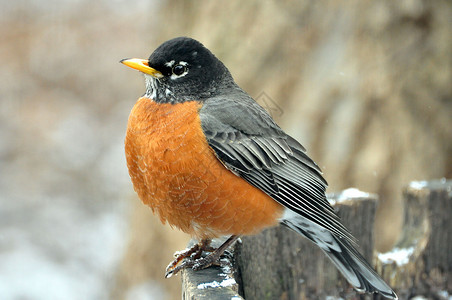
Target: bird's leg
{"type": "Point", "coordinates": [192, 257]}
{"type": "Point", "coordinates": [204, 246]}
{"type": "Point", "coordinates": [191, 254]}
{"type": "Point", "coordinates": [213, 257]}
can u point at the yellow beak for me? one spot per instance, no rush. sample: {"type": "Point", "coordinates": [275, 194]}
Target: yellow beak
{"type": "Point", "coordinates": [142, 66]}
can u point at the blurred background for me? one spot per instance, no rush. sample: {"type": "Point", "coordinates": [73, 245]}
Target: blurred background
{"type": "Point", "coordinates": [366, 86]}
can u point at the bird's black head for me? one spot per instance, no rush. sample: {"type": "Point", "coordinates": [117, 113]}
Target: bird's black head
{"type": "Point", "coordinates": [180, 70]}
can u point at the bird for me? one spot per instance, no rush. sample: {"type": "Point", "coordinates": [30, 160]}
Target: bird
{"type": "Point", "coordinates": [210, 161]}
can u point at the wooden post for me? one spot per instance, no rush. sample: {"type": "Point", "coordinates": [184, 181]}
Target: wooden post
{"type": "Point", "coordinates": [421, 262]}
{"type": "Point", "coordinates": [280, 264]}
{"type": "Point", "coordinates": [218, 283]}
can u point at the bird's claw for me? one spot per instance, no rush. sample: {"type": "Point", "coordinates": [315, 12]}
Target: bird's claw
{"type": "Point", "coordinates": [192, 257]}
{"type": "Point", "coordinates": [205, 262]}
{"type": "Point", "coordinates": [188, 257]}
{"type": "Point", "coordinates": [194, 264]}
{"type": "Point", "coordinates": [173, 269]}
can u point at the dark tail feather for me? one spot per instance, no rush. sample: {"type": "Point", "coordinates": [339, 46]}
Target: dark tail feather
{"type": "Point", "coordinates": [357, 270]}
{"type": "Point", "coordinates": [345, 257]}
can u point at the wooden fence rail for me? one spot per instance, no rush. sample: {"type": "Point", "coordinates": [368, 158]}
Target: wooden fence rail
{"type": "Point", "coordinates": [279, 264]}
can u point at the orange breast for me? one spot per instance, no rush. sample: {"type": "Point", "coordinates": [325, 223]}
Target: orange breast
{"type": "Point", "coordinates": [176, 173]}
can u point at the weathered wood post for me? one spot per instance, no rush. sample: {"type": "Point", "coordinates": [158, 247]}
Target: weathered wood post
{"type": "Point", "coordinates": [421, 262]}
{"type": "Point", "coordinates": [280, 264]}
{"type": "Point", "coordinates": [215, 282]}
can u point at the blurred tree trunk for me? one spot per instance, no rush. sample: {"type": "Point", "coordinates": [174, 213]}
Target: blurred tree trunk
{"type": "Point", "coordinates": [365, 86]}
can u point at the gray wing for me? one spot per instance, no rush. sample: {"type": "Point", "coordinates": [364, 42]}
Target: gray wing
{"type": "Point", "coordinates": [249, 143]}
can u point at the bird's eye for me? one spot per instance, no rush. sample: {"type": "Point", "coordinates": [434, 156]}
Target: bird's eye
{"type": "Point", "coordinates": [179, 70]}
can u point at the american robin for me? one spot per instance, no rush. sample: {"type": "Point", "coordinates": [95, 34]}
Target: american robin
{"type": "Point", "coordinates": [209, 160]}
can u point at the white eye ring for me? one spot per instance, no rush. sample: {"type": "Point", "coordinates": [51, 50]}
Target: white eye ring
{"type": "Point", "coordinates": [179, 70]}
